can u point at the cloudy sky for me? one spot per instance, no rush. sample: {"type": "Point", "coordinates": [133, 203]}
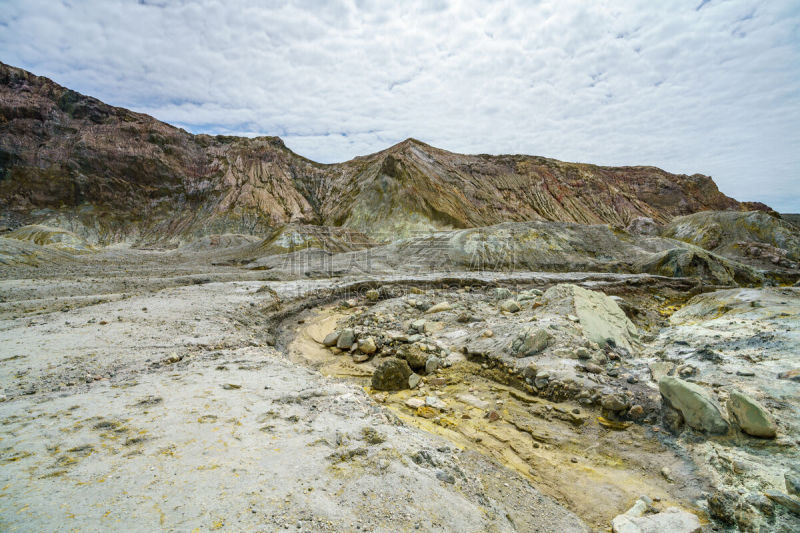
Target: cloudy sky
{"type": "Point", "coordinates": [708, 86]}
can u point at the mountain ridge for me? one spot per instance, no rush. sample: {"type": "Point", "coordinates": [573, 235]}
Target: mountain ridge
{"type": "Point", "coordinates": [110, 174]}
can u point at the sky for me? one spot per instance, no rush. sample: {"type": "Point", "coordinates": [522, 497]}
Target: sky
{"type": "Point", "coordinates": [701, 86]}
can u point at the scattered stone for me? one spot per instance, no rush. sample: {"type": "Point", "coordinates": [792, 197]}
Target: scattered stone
{"type": "Point", "coordinates": [413, 380]}
{"type": "Point", "coordinates": [231, 386]}
{"type": "Point", "coordinates": [367, 346]}
{"type": "Point", "coordinates": [694, 404]}
{"type": "Point", "coordinates": [614, 402]}
{"type": "Point", "coordinates": [417, 326]}
{"type": "Point", "coordinates": [583, 353]}
{"type": "Point", "coordinates": [510, 306]}
{"type": "Point", "coordinates": [685, 371]}
{"type": "Point", "coordinates": [438, 308]}
{"type": "Point", "coordinates": [446, 477]}
{"type": "Point", "coordinates": [392, 374]}
{"type": "Point", "coordinates": [666, 474]}
{"type": "Point", "coordinates": [501, 293]}
{"type": "Point", "coordinates": [751, 416]}
{"type": "Point", "coordinates": [173, 358]}
{"type": "Point", "coordinates": [593, 368]}
{"type": "Point", "coordinates": [432, 364]}
{"type": "Point", "coordinates": [359, 357]}
{"type": "Point", "coordinates": [346, 339]}
{"type": "Point", "coordinates": [435, 402]}
{"type": "Point", "coordinates": [530, 371]}
{"type": "Point", "coordinates": [473, 401]}
{"type": "Point", "coordinates": [745, 373]}
{"type": "Point", "coordinates": [487, 333]}
{"type": "Point", "coordinates": [331, 339]}
{"type": "Point", "coordinates": [464, 318]}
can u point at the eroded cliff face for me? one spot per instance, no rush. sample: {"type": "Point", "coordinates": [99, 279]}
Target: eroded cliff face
{"type": "Point", "coordinates": [110, 175]}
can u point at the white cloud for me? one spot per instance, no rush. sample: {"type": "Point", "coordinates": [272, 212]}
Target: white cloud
{"type": "Point", "coordinates": [713, 90]}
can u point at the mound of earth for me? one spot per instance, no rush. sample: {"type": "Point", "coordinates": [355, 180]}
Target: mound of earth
{"type": "Point", "coordinates": [48, 236]}
{"type": "Point", "coordinates": [752, 237]}
{"type": "Point", "coordinates": [15, 252]}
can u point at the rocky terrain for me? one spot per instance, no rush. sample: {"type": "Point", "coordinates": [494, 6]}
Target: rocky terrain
{"type": "Point", "coordinates": [214, 334]}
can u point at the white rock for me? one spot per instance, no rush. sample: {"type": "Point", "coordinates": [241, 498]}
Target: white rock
{"type": "Point", "coordinates": [671, 520]}
{"type": "Point", "coordinates": [415, 403]}
{"type": "Point", "coordinates": [438, 308]}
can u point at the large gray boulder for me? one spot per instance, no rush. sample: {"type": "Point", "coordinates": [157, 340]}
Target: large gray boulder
{"type": "Point", "coordinates": [601, 319]}
{"type": "Point", "coordinates": [751, 416]}
{"type": "Point", "coordinates": [697, 408]}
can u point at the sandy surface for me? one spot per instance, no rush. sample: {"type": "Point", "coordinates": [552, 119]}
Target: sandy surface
{"type": "Point", "coordinates": [164, 410]}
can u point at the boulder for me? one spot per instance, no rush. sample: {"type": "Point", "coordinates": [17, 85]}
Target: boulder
{"type": "Point", "coordinates": [671, 520]}
{"type": "Point", "coordinates": [346, 339]}
{"type": "Point", "coordinates": [367, 346]}
{"type": "Point", "coordinates": [530, 342]}
{"type": "Point", "coordinates": [694, 404]}
{"type": "Point", "coordinates": [331, 339]}
{"type": "Point", "coordinates": [510, 306]}
{"type": "Point", "coordinates": [391, 375]}
{"type": "Point", "coordinates": [601, 319]}
{"type": "Point", "coordinates": [750, 416]}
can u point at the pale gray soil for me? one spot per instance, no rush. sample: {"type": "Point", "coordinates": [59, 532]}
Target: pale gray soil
{"type": "Point", "coordinates": [101, 431]}
{"type": "Point", "coordinates": [150, 390]}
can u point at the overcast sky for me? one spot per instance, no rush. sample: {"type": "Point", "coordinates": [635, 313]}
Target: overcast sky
{"type": "Point", "coordinates": [707, 86]}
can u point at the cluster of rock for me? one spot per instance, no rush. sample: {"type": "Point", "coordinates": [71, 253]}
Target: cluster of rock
{"type": "Point", "coordinates": [688, 402]}
{"type": "Point", "coordinates": [568, 343]}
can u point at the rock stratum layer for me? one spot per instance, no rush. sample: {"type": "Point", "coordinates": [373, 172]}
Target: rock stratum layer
{"type": "Point", "coordinates": [110, 175]}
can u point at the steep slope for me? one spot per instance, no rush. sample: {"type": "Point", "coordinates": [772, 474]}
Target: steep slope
{"type": "Point", "coordinates": [109, 174]}
{"type": "Point", "coordinates": [413, 186]}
